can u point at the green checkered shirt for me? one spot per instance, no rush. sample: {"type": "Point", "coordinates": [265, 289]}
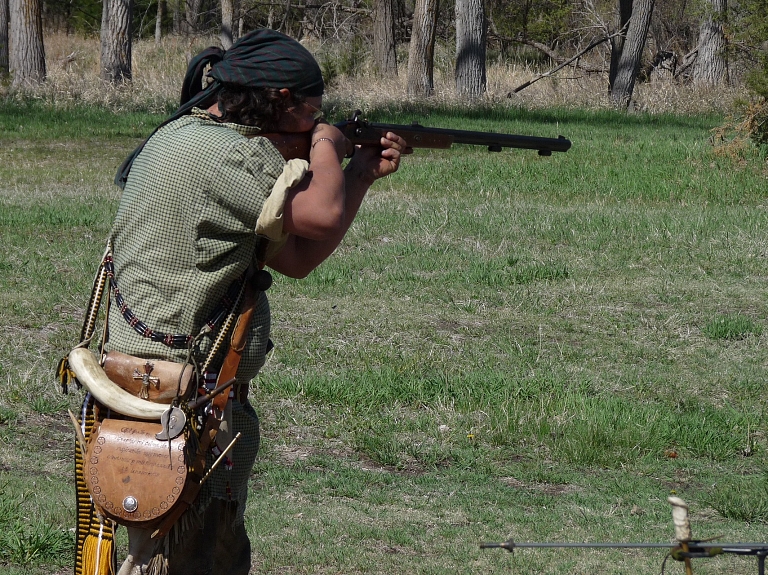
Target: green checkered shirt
{"type": "Point", "coordinates": [184, 232]}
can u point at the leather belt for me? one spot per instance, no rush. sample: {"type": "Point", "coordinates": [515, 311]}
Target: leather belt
{"type": "Point", "coordinates": [241, 391]}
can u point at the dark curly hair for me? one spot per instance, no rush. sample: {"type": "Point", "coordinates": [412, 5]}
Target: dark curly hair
{"type": "Point", "coordinates": [260, 107]}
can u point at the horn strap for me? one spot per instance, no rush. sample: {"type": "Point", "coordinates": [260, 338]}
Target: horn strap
{"type": "Point", "coordinates": [175, 341]}
{"type": "Point", "coordinates": [94, 302]}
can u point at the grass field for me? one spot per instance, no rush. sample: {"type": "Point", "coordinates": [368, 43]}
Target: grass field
{"type": "Point", "coordinates": [504, 346]}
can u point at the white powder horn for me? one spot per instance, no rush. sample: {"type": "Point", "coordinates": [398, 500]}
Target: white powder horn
{"type": "Point", "coordinates": [92, 376]}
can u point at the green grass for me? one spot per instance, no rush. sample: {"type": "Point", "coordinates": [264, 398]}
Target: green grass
{"type": "Point", "coordinates": [732, 327]}
{"type": "Point", "coordinates": [504, 345]}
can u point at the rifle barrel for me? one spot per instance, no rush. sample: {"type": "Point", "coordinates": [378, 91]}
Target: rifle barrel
{"type": "Point", "coordinates": [694, 546]}
{"type": "Point", "coordinates": [513, 545]}
{"type": "Point", "coordinates": [417, 136]}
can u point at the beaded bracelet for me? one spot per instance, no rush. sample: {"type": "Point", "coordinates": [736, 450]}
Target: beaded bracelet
{"type": "Point", "coordinates": [320, 140]}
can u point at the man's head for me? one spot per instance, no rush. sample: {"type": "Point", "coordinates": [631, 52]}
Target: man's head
{"type": "Point", "coordinates": [268, 59]}
{"type": "Point", "coordinates": [252, 79]}
{"type": "Point", "coordinates": [271, 109]}
{"type": "Point", "coordinates": [261, 61]}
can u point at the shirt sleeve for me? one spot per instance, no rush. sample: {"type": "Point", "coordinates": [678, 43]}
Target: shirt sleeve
{"type": "Point", "coordinates": [270, 222]}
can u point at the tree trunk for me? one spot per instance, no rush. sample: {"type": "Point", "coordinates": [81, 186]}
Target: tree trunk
{"type": "Point", "coordinates": [116, 41]}
{"type": "Point", "coordinates": [176, 7]}
{"type": "Point", "coordinates": [711, 67]}
{"type": "Point", "coordinates": [162, 8]}
{"type": "Point", "coordinates": [617, 42]}
{"type": "Point", "coordinates": [384, 49]}
{"type": "Point", "coordinates": [227, 23]}
{"type": "Point", "coordinates": [421, 53]}
{"type": "Point", "coordinates": [27, 54]}
{"type": "Point", "coordinates": [104, 25]}
{"type": "Point", "coordinates": [283, 26]}
{"type": "Point", "coordinates": [470, 48]}
{"type": "Point", "coordinates": [192, 14]}
{"type": "Point", "coordinates": [628, 64]}
{"type": "Point", "coordinates": [4, 54]}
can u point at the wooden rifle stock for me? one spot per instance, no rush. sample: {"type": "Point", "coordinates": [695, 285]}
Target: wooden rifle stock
{"type": "Point", "coordinates": [291, 145]}
{"type": "Point", "coordinates": [364, 133]}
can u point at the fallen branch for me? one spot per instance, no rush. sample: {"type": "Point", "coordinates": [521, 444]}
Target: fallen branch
{"type": "Point", "coordinates": [66, 60]}
{"type": "Point", "coordinates": [687, 62]}
{"type": "Point", "coordinates": [564, 64]}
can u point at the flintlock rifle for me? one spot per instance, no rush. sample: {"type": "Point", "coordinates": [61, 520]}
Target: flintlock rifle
{"type": "Point", "coordinates": [364, 133]}
{"type": "Point", "coordinates": [685, 549]}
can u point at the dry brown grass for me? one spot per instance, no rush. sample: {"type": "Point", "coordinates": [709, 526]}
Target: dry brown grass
{"type": "Point", "coordinates": [73, 73]}
{"type": "Point", "coordinates": [73, 76]}
{"type": "Point", "coordinates": [562, 90]}
{"type": "Point", "coordinates": [742, 130]}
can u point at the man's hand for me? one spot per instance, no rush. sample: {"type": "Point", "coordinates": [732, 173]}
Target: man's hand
{"type": "Point", "coordinates": [370, 163]}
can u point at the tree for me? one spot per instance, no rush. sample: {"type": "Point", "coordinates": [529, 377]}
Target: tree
{"type": "Point", "coordinates": [177, 20]}
{"type": "Point", "coordinates": [384, 49]}
{"type": "Point", "coordinates": [617, 40]}
{"type": "Point", "coordinates": [27, 54]}
{"type": "Point", "coordinates": [162, 8]}
{"type": "Point", "coordinates": [421, 52]}
{"type": "Point", "coordinates": [470, 48]}
{"type": "Point", "coordinates": [4, 19]}
{"type": "Point", "coordinates": [711, 67]}
{"type": "Point", "coordinates": [227, 23]}
{"type": "Point", "coordinates": [542, 21]}
{"type": "Point", "coordinates": [116, 41]}
{"type": "Point", "coordinates": [192, 14]}
{"type": "Point", "coordinates": [750, 29]}
{"type": "Point", "coordinates": [626, 53]}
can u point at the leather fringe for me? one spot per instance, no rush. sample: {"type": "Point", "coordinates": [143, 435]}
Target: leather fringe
{"type": "Point", "coordinates": [158, 565]}
{"type": "Point", "coordinates": [65, 375]}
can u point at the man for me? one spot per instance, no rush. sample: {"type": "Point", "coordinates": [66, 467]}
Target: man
{"type": "Point", "coordinates": [184, 236]}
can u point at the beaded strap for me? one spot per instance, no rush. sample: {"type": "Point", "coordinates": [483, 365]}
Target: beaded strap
{"type": "Point", "coordinates": [175, 341]}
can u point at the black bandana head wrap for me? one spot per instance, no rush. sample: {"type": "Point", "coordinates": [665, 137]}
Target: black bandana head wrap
{"type": "Point", "coordinates": [260, 59]}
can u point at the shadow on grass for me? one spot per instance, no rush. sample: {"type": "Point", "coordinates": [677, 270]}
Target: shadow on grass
{"type": "Point", "coordinates": [406, 112]}
{"type": "Point", "coordinates": [29, 119]}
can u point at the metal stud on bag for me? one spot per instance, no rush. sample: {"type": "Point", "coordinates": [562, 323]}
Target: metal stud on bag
{"type": "Point", "coordinates": [130, 504]}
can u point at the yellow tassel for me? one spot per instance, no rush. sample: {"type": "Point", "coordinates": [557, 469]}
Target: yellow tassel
{"type": "Point", "coordinates": [65, 375]}
{"type": "Point", "coordinates": [99, 553]}
{"type": "Point", "coordinates": [95, 551]}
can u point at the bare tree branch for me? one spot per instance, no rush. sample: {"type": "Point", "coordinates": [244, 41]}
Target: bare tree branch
{"type": "Point", "coordinates": [593, 45]}
{"type": "Point", "coordinates": [688, 60]}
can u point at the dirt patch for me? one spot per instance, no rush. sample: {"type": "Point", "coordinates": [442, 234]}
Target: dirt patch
{"type": "Point", "coordinates": [288, 455]}
{"type": "Point", "coordinates": [546, 488]}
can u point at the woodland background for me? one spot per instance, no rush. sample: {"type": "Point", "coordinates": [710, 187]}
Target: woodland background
{"type": "Point", "coordinates": [711, 45]}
